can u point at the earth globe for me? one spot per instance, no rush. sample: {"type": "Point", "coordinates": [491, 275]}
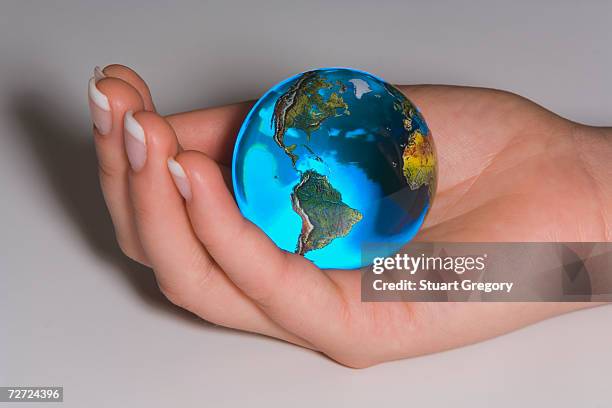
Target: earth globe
{"type": "Point", "coordinates": [332, 162]}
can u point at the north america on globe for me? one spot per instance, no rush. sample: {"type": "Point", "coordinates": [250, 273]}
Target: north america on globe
{"type": "Point", "coordinates": [332, 160]}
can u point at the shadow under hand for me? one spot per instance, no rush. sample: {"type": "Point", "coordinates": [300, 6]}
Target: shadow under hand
{"type": "Point", "coordinates": [65, 152]}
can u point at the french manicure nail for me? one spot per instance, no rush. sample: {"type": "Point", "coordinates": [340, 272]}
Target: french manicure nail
{"type": "Point", "coordinates": [98, 73]}
{"type": "Point", "coordinates": [135, 142]}
{"type": "Point", "coordinates": [180, 178]}
{"type": "Point", "coordinates": [100, 108]}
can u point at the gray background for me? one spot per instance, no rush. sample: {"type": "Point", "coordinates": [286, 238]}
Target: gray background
{"type": "Point", "coordinates": [75, 312]}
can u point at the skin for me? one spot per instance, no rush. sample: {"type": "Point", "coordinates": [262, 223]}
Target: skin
{"type": "Point", "coordinates": [509, 170]}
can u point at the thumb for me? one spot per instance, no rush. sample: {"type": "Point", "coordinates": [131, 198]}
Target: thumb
{"type": "Point", "coordinates": [289, 288]}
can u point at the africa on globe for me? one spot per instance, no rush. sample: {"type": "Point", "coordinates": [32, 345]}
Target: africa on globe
{"type": "Point", "coordinates": [332, 160]}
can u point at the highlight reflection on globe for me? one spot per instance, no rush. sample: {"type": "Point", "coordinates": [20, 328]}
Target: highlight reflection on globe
{"type": "Point", "coordinates": [332, 159]}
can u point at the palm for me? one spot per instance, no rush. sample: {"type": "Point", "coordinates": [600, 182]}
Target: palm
{"type": "Point", "coordinates": [509, 170]}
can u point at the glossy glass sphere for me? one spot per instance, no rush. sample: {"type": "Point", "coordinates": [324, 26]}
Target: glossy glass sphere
{"type": "Point", "coordinates": [334, 159]}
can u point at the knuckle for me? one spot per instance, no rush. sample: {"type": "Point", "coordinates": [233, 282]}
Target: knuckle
{"type": "Point", "coordinates": [218, 319]}
{"type": "Point", "coordinates": [189, 299]}
{"type": "Point", "coordinates": [201, 262]}
{"type": "Point", "coordinates": [126, 249]}
{"type": "Point", "coordinates": [205, 307]}
{"type": "Point", "coordinates": [188, 288]}
{"type": "Point", "coordinates": [356, 362]}
{"type": "Point", "coordinates": [355, 353]}
{"type": "Point", "coordinates": [131, 251]}
{"type": "Point", "coordinates": [124, 245]}
{"type": "Point", "coordinates": [263, 296]}
{"type": "Point", "coordinates": [208, 269]}
{"type": "Point", "coordinates": [143, 213]}
{"type": "Point", "coordinates": [266, 295]}
{"type": "Point", "coordinates": [108, 172]}
{"type": "Point", "coordinates": [174, 295]}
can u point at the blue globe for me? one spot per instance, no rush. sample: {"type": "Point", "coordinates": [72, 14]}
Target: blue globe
{"type": "Point", "coordinates": [332, 161]}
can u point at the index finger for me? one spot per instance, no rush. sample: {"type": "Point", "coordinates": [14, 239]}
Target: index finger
{"type": "Point", "coordinates": [212, 131]}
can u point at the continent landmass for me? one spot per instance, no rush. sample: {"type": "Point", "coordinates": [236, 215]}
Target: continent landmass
{"type": "Point", "coordinates": [324, 215]}
{"type": "Point", "coordinates": [419, 162]}
{"type": "Point", "coordinates": [303, 107]}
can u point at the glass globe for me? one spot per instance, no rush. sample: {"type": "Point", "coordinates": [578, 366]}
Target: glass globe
{"type": "Point", "coordinates": [332, 160]}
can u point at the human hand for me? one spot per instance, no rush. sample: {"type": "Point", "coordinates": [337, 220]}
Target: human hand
{"type": "Point", "coordinates": [508, 171]}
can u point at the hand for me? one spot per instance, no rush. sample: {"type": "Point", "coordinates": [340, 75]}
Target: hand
{"type": "Point", "coordinates": [508, 171]}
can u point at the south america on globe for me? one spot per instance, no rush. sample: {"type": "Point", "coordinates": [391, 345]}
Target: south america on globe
{"type": "Point", "coordinates": [333, 160]}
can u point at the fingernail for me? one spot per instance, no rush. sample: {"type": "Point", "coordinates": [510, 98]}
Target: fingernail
{"type": "Point", "coordinates": [180, 178]}
{"type": "Point", "coordinates": [98, 73]}
{"type": "Point", "coordinates": [99, 108]}
{"type": "Point", "coordinates": [135, 142]}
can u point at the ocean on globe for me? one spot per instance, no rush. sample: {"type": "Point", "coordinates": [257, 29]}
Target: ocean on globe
{"type": "Point", "coordinates": [333, 160]}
